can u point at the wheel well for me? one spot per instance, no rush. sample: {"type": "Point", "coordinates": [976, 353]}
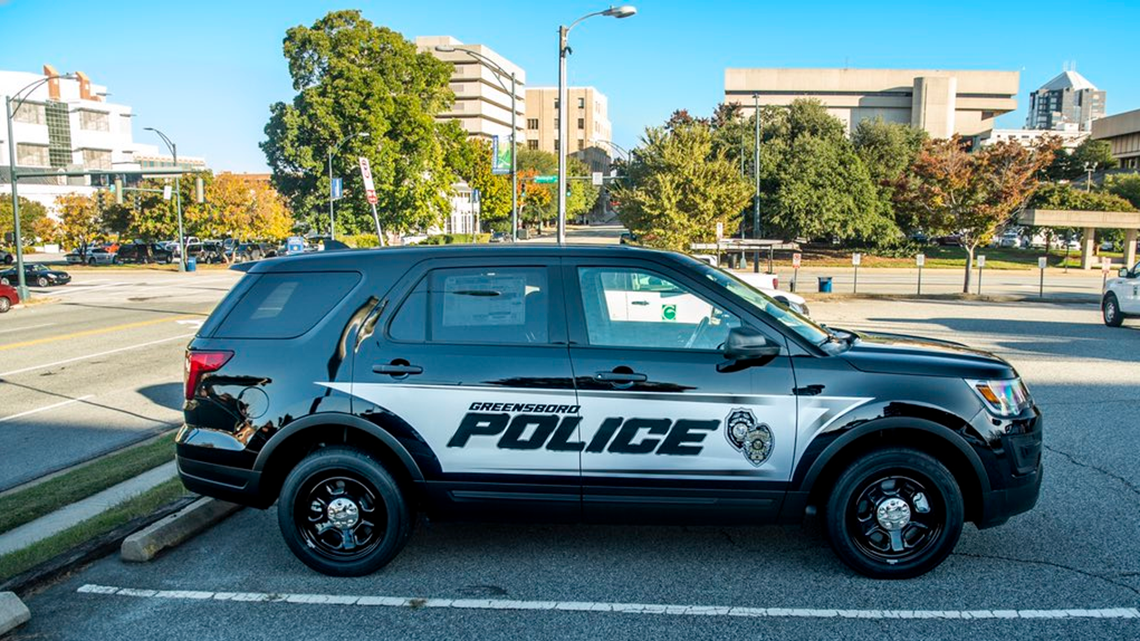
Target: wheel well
{"type": "Point", "coordinates": [920, 440]}
{"type": "Point", "coordinates": [289, 453]}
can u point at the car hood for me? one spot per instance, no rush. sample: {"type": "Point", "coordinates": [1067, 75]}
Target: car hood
{"type": "Point", "coordinates": [917, 356]}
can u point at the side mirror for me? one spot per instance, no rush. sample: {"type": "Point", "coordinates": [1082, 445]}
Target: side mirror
{"type": "Point", "coordinates": [745, 343]}
{"type": "Point", "coordinates": [1124, 273]}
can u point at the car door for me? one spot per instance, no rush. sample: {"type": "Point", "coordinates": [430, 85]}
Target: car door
{"type": "Point", "coordinates": [1130, 304]}
{"type": "Point", "coordinates": [473, 363]}
{"type": "Point", "coordinates": [670, 431]}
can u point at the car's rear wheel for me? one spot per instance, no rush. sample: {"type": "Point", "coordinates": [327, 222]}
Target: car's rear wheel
{"type": "Point", "coordinates": [8, 260]}
{"type": "Point", "coordinates": [5, 304]}
{"type": "Point", "coordinates": [342, 513]}
{"type": "Point", "coordinates": [1110, 309]}
{"type": "Point", "coordinates": [91, 262]}
{"type": "Point", "coordinates": [895, 514]}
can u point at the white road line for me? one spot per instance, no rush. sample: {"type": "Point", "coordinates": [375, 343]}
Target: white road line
{"type": "Point", "coordinates": [46, 408]}
{"type": "Point", "coordinates": [21, 329]}
{"type": "Point", "coordinates": [83, 289]}
{"type": "Point", "coordinates": [590, 606]}
{"type": "Point", "coordinates": [96, 355]}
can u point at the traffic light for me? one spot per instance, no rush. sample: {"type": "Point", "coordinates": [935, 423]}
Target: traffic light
{"type": "Point", "coordinates": [199, 190]}
{"type": "Point", "coordinates": [100, 200]}
{"type": "Point", "coordinates": [118, 188]}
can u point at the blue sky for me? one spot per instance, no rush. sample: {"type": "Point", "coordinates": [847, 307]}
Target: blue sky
{"type": "Point", "coordinates": [206, 72]}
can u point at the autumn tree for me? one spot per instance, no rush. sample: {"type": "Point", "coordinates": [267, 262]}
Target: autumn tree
{"type": "Point", "coordinates": [541, 200]}
{"type": "Point", "coordinates": [472, 162]}
{"type": "Point", "coordinates": [30, 212]}
{"type": "Point", "coordinates": [953, 191]}
{"type": "Point", "coordinates": [80, 220]}
{"type": "Point", "coordinates": [679, 188]}
{"type": "Point", "coordinates": [236, 208]}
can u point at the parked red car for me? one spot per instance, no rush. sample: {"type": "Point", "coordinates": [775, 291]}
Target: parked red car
{"type": "Point", "coordinates": [8, 298]}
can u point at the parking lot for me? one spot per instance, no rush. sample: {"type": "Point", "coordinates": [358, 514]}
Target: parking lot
{"type": "Point", "coordinates": [1068, 569]}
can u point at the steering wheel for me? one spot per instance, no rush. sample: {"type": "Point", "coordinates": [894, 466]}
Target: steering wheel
{"type": "Point", "coordinates": [700, 329]}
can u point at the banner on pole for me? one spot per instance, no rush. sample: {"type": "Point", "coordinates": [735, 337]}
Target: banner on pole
{"type": "Point", "coordinates": [500, 157]}
{"type": "Point", "coordinates": [337, 188]}
{"type": "Point", "coordinates": [366, 174]}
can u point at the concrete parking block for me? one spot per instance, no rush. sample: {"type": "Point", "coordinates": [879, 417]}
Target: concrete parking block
{"type": "Point", "coordinates": [143, 545]}
{"type": "Point", "coordinates": [13, 612]}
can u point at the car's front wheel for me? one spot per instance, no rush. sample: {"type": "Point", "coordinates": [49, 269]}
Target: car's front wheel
{"type": "Point", "coordinates": [5, 304]}
{"type": "Point", "coordinates": [42, 281]}
{"type": "Point", "coordinates": [342, 513]}
{"type": "Point", "coordinates": [1110, 309]}
{"type": "Point", "coordinates": [895, 514]}
{"type": "Point", "coordinates": [8, 260]}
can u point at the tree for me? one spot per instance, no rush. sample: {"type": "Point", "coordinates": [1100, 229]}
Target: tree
{"type": "Point", "coordinates": [541, 200]}
{"type": "Point", "coordinates": [950, 190]}
{"type": "Point", "coordinates": [679, 188]}
{"type": "Point", "coordinates": [472, 162]}
{"type": "Point", "coordinates": [352, 76]}
{"type": "Point", "coordinates": [30, 212]}
{"type": "Point", "coordinates": [887, 150]}
{"type": "Point", "coordinates": [1070, 165]}
{"type": "Point", "coordinates": [238, 209]}
{"type": "Point", "coordinates": [1127, 186]}
{"type": "Point", "coordinates": [81, 222]}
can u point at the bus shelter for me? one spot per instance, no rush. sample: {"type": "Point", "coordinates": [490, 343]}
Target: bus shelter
{"type": "Point", "coordinates": [1089, 222]}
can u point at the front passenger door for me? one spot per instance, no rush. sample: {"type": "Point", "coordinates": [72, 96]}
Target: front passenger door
{"type": "Point", "coordinates": [668, 432]}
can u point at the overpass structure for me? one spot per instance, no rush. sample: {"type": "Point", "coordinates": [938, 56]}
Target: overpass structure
{"type": "Point", "coordinates": [1089, 222]}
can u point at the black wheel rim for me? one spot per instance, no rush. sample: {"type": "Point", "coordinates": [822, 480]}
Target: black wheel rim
{"type": "Point", "coordinates": [340, 516]}
{"type": "Point", "coordinates": [884, 531]}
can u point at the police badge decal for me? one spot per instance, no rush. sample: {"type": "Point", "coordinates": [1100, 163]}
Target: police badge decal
{"type": "Point", "coordinates": [745, 435]}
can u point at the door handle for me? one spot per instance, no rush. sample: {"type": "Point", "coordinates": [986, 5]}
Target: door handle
{"type": "Point", "coordinates": [621, 377]}
{"type": "Point", "coordinates": [398, 369]}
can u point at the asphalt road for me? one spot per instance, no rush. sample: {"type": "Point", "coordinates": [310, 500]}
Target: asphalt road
{"type": "Point", "coordinates": [100, 368]}
{"type": "Point", "coordinates": [1078, 550]}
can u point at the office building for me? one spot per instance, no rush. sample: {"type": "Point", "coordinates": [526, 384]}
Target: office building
{"type": "Point", "coordinates": [481, 106]}
{"type": "Point", "coordinates": [589, 131]}
{"type": "Point", "coordinates": [1070, 137]}
{"type": "Point", "coordinates": [941, 102]}
{"type": "Point", "coordinates": [1122, 131]}
{"type": "Point", "coordinates": [1068, 99]}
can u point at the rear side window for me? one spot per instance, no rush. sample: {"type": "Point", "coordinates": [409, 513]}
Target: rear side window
{"type": "Point", "coordinates": [286, 305]}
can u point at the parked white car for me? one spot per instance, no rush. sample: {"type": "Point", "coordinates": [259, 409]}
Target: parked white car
{"type": "Point", "coordinates": [1121, 297]}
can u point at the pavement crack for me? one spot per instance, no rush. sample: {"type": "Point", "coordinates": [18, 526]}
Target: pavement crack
{"type": "Point", "coordinates": [1051, 564]}
{"type": "Point", "coordinates": [1129, 484]}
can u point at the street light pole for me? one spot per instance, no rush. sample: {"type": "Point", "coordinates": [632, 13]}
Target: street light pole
{"type": "Point", "coordinates": [333, 152]}
{"type": "Point", "coordinates": [177, 197]}
{"type": "Point", "coordinates": [1090, 168]}
{"type": "Point", "coordinates": [623, 11]}
{"type": "Point", "coordinates": [756, 175]}
{"type": "Point", "coordinates": [10, 112]}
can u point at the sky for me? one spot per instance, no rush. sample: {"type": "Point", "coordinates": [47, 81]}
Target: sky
{"type": "Point", "coordinates": [206, 72]}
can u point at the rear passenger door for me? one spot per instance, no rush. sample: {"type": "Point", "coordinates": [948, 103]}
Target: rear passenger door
{"type": "Point", "coordinates": [471, 370]}
{"type": "Point", "coordinates": [671, 434]}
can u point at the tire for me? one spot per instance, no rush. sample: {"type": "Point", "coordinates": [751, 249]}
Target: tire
{"type": "Point", "coordinates": [5, 304]}
{"type": "Point", "coordinates": [892, 478]}
{"type": "Point", "coordinates": [42, 281]}
{"type": "Point", "coordinates": [91, 262]}
{"type": "Point", "coordinates": [8, 260]}
{"type": "Point", "coordinates": [349, 475]}
{"type": "Point", "coordinates": [1110, 311]}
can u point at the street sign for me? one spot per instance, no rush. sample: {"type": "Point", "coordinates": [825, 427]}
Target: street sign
{"type": "Point", "coordinates": [1041, 262]}
{"type": "Point", "coordinates": [856, 259]}
{"type": "Point", "coordinates": [295, 245]}
{"type": "Point", "coordinates": [719, 231]}
{"type": "Point", "coordinates": [797, 258]}
{"type": "Point", "coordinates": [366, 174]}
{"type": "Point", "coordinates": [544, 180]}
{"type": "Point", "coordinates": [475, 195]}
{"type": "Point", "coordinates": [1106, 265]}
{"type": "Point", "coordinates": [167, 192]}
{"type": "Point", "coordinates": [920, 259]}
{"type": "Point", "coordinates": [981, 261]}
{"type": "Point", "coordinates": [337, 188]}
{"type": "Point", "coordinates": [596, 178]}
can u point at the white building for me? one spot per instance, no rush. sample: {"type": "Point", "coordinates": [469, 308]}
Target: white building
{"type": "Point", "coordinates": [67, 124]}
{"type": "Point", "coordinates": [482, 106]}
{"type": "Point", "coordinates": [1069, 136]}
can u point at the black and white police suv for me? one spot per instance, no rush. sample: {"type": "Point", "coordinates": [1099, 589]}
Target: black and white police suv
{"type": "Point", "coordinates": [596, 384]}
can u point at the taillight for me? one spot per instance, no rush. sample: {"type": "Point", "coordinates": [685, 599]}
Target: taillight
{"type": "Point", "coordinates": [199, 363]}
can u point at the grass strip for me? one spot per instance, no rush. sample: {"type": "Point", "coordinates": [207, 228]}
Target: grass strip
{"type": "Point", "coordinates": [30, 504]}
{"type": "Point", "coordinates": [21, 560]}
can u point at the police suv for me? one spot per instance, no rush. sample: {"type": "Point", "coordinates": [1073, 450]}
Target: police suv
{"type": "Point", "coordinates": [587, 384]}
{"type": "Point", "coordinates": [1121, 297]}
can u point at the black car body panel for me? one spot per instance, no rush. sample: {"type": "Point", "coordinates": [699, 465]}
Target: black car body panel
{"type": "Point", "coordinates": [556, 419]}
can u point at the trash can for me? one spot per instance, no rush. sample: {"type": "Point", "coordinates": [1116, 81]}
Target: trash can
{"type": "Point", "coordinates": [825, 284]}
{"type": "Point", "coordinates": [192, 265]}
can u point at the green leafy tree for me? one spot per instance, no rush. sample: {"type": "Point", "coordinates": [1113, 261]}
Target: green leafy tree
{"type": "Point", "coordinates": [472, 162]}
{"type": "Point", "coordinates": [30, 213]}
{"type": "Point", "coordinates": [950, 190]}
{"type": "Point", "coordinates": [539, 202]}
{"type": "Point", "coordinates": [1070, 165]}
{"type": "Point", "coordinates": [1127, 186]}
{"type": "Point", "coordinates": [353, 76]}
{"type": "Point", "coordinates": [679, 188]}
{"type": "Point", "coordinates": [887, 150]}
{"type": "Point", "coordinates": [81, 221]}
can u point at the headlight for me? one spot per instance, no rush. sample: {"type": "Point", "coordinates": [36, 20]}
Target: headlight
{"type": "Point", "coordinates": [1004, 397]}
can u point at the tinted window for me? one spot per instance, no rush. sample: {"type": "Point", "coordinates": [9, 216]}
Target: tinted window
{"type": "Point", "coordinates": [481, 305]}
{"type": "Point", "coordinates": [286, 305]}
{"type": "Point", "coordinates": [635, 308]}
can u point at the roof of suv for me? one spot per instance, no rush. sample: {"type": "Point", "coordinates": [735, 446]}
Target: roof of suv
{"type": "Point", "coordinates": [347, 259]}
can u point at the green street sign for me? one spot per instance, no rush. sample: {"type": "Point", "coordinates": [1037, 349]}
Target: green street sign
{"type": "Point", "coordinates": [545, 179]}
{"type": "Point", "coordinates": [668, 312]}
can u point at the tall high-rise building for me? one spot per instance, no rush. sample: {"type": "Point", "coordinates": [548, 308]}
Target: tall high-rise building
{"type": "Point", "coordinates": [588, 121]}
{"type": "Point", "coordinates": [482, 105]}
{"type": "Point", "coordinates": [1068, 99]}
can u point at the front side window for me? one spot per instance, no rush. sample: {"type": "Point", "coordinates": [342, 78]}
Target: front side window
{"type": "Point", "coordinates": [502, 305]}
{"type": "Point", "coordinates": [638, 308]}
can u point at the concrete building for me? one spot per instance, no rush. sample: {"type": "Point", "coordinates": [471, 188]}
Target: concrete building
{"type": "Point", "coordinates": [1068, 99]}
{"type": "Point", "coordinates": [941, 102]}
{"type": "Point", "coordinates": [1122, 132]}
{"type": "Point", "coordinates": [481, 105]}
{"type": "Point", "coordinates": [1070, 137]}
{"type": "Point", "coordinates": [589, 130]}
{"type": "Point", "coordinates": [67, 124]}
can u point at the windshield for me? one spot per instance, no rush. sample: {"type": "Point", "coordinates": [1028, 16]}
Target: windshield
{"type": "Point", "coordinates": [799, 324]}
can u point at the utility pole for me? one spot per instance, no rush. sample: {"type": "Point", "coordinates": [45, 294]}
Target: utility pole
{"type": "Point", "coordinates": [756, 175]}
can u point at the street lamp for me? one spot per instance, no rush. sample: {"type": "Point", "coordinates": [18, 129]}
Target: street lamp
{"type": "Point", "coordinates": [177, 197]}
{"type": "Point", "coordinates": [21, 281]}
{"type": "Point", "coordinates": [499, 74]}
{"type": "Point", "coordinates": [1090, 168]}
{"type": "Point", "coordinates": [332, 152]}
{"type": "Point", "coordinates": [623, 11]}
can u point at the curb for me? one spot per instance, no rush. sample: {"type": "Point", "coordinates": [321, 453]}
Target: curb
{"type": "Point", "coordinates": [144, 545]}
{"type": "Point", "coordinates": [13, 612]}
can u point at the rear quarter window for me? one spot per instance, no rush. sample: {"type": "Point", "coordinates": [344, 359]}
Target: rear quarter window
{"type": "Point", "coordinates": [286, 305]}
